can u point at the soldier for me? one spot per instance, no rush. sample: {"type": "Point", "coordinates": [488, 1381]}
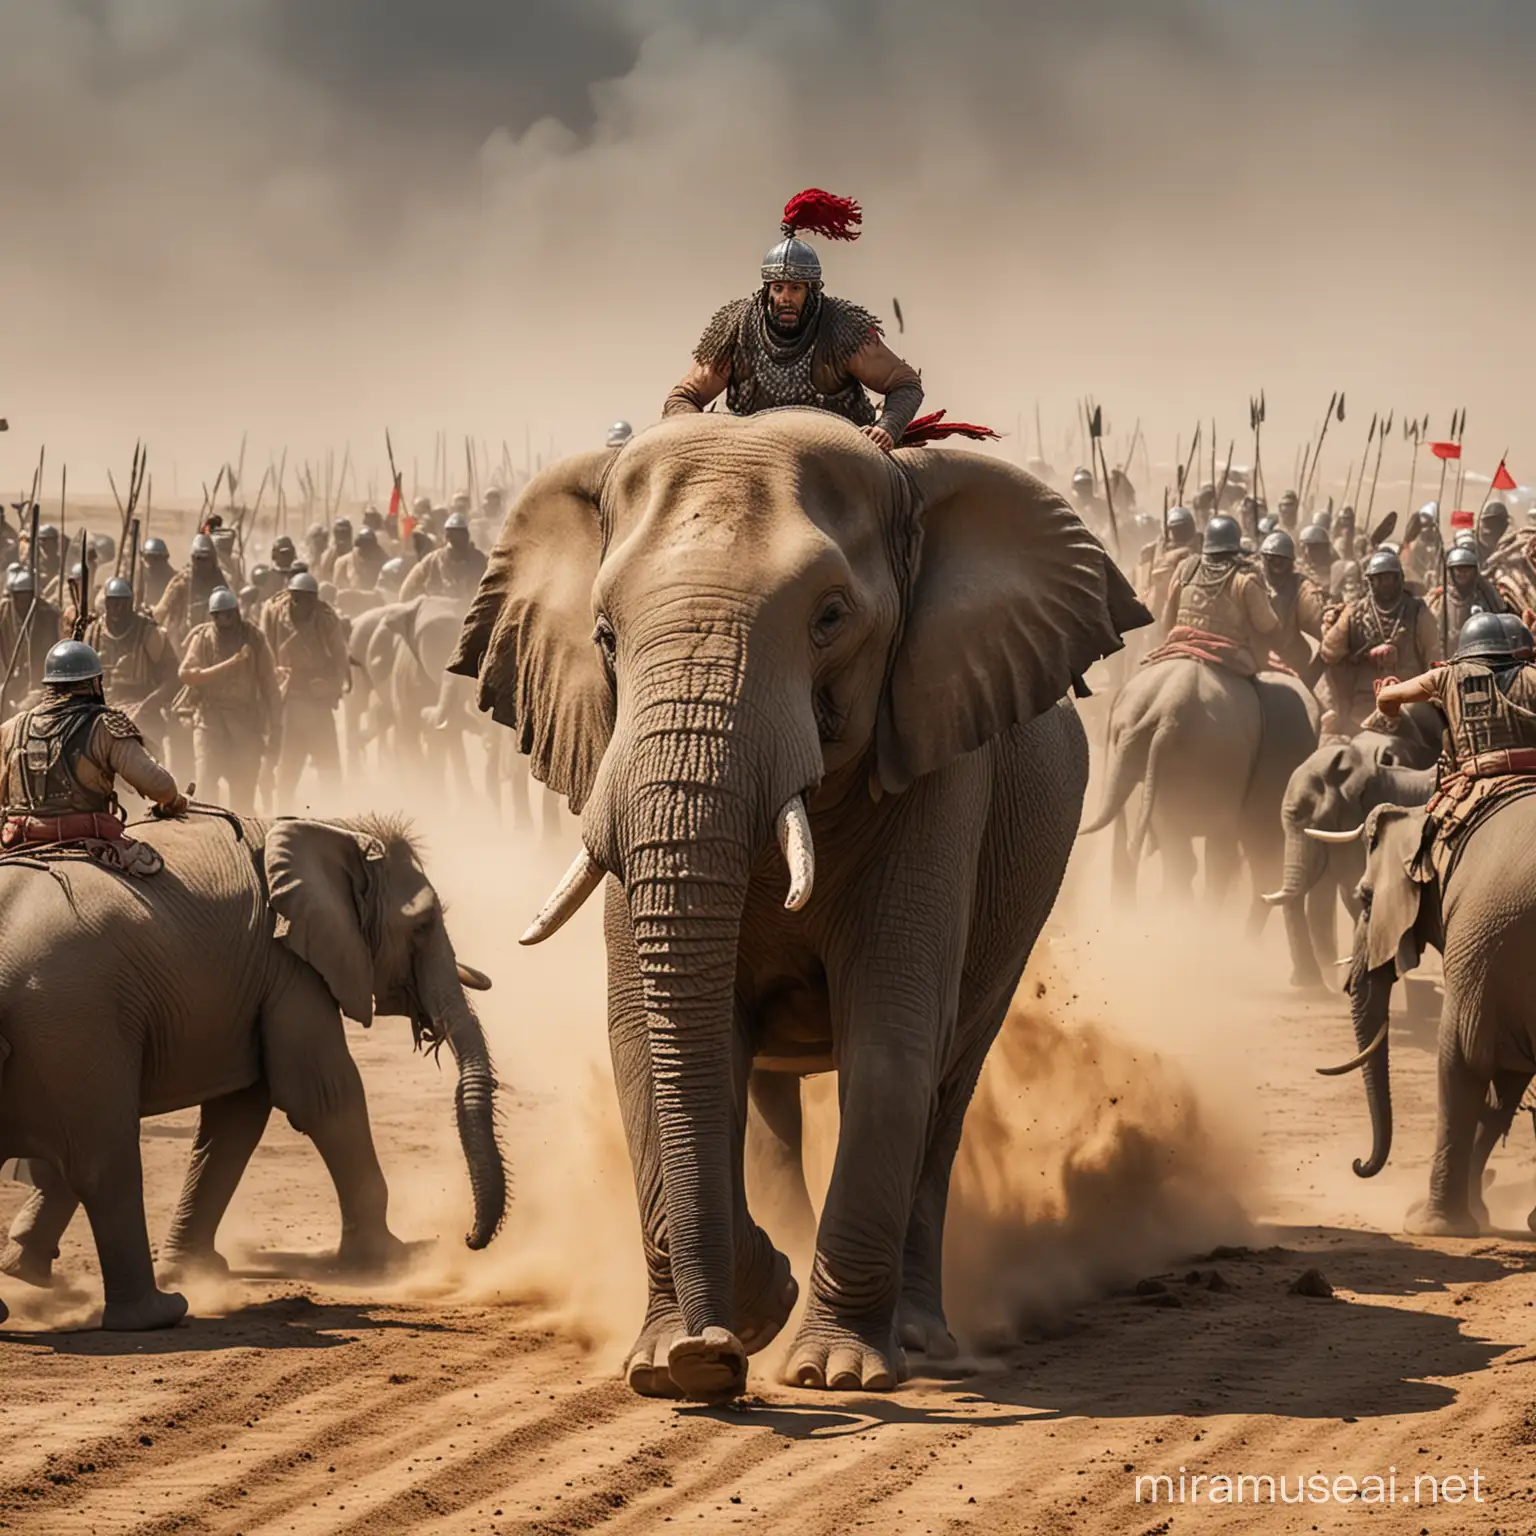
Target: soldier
{"type": "Point", "coordinates": [233, 697]}
{"type": "Point", "coordinates": [1216, 603]}
{"type": "Point", "coordinates": [791, 344]}
{"type": "Point", "coordinates": [340, 545]}
{"type": "Point", "coordinates": [1162, 557]}
{"type": "Point", "coordinates": [138, 664]}
{"type": "Point", "coordinates": [1379, 633]}
{"type": "Point", "coordinates": [1298, 604]}
{"type": "Point", "coordinates": [1492, 526]}
{"type": "Point", "coordinates": [492, 515]}
{"type": "Point", "coordinates": [392, 577]}
{"type": "Point", "coordinates": [1487, 693]}
{"type": "Point", "coordinates": [358, 569]}
{"type": "Point", "coordinates": [60, 760]}
{"type": "Point", "coordinates": [314, 543]}
{"type": "Point", "coordinates": [230, 563]}
{"type": "Point", "coordinates": [42, 633]}
{"type": "Point", "coordinates": [1317, 556]}
{"type": "Point", "coordinates": [283, 555]}
{"type": "Point", "coordinates": [1344, 535]}
{"type": "Point", "coordinates": [309, 645]}
{"type": "Point", "coordinates": [154, 571]}
{"type": "Point", "coordinates": [1089, 507]}
{"type": "Point", "coordinates": [374, 519]}
{"type": "Point", "coordinates": [1422, 549]}
{"type": "Point", "coordinates": [453, 571]}
{"type": "Point", "coordinates": [49, 559]}
{"type": "Point", "coordinates": [184, 604]}
{"type": "Point", "coordinates": [1470, 591]}
{"type": "Point", "coordinates": [1290, 511]}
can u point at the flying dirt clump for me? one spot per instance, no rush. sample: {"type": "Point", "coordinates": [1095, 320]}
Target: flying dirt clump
{"type": "Point", "coordinates": [1085, 1162]}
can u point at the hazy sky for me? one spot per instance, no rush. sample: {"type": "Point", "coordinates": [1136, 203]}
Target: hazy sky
{"type": "Point", "coordinates": [310, 220]}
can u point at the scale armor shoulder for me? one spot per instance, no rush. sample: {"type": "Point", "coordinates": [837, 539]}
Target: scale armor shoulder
{"type": "Point", "coordinates": [119, 725]}
{"type": "Point", "coordinates": [719, 338]}
{"type": "Point", "coordinates": [846, 327]}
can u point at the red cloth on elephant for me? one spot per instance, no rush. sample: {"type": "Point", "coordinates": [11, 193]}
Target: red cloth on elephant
{"type": "Point", "coordinates": [1186, 644]}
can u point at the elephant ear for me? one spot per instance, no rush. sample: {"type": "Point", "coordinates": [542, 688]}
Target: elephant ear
{"type": "Point", "coordinates": [1011, 601]}
{"type": "Point", "coordinates": [528, 637]}
{"type": "Point", "coordinates": [1391, 889]}
{"type": "Point", "coordinates": [318, 883]}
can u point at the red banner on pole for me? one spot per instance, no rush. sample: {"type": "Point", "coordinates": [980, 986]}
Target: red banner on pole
{"type": "Point", "coordinates": [1463, 519]}
{"type": "Point", "coordinates": [1446, 450]}
{"type": "Point", "coordinates": [1503, 480]}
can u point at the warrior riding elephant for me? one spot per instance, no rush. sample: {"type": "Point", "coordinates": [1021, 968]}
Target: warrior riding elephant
{"type": "Point", "coordinates": [741, 643]}
{"type": "Point", "coordinates": [1482, 919]}
{"type": "Point", "coordinates": [221, 981]}
{"type": "Point", "coordinates": [1333, 791]}
{"type": "Point", "coordinates": [1212, 752]}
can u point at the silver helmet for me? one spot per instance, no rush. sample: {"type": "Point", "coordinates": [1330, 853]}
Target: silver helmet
{"type": "Point", "coordinates": [1279, 546]}
{"type": "Point", "coordinates": [20, 580]}
{"type": "Point", "coordinates": [222, 600]}
{"type": "Point", "coordinates": [303, 582]}
{"type": "Point", "coordinates": [792, 261]}
{"type": "Point", "coordinates": [71, 661]}
{"type": "Point", "coordinates": [117, 590]}
{"type": "Point", "coordinates": [619, 434]}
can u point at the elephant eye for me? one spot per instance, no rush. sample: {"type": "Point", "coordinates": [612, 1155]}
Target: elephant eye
{"type": "Point", "coordinates": [830, 618]}
{"type": "Point", "coordinates": [605, 639]}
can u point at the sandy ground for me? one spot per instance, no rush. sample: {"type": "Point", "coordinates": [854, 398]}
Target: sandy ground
{"type": "Point", "coordinates": [1156, 1099]}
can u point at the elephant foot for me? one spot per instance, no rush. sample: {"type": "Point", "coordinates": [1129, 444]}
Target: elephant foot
{"type": "Point", "coordinates": [645, 1368]}
{"type": "Point", "coordinates": [157, 1309]}
{"type": "Point", "coordinates": [1307, 981]}
{"type": "Point", "coordinates": [762, 1311]}
{"type": "Point", "coordinates": [708, 1367]}
{"type": "Point", "coordinates": [833, 1355]}
{"type": "Point", "coordinates": [922, 1330]}
{"type": "Point", "coordinates": [26, 1264]}
{"type": "Point", "coordinates": [177, 1263]}
{"type": "Point", "coordinates": [372, 1255]}
{"type": "Point", "coordinates": [1428, 1220]}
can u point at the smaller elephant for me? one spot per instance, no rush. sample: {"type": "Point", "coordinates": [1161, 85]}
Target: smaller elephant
{"type": "Point", "coordinates": [1480, 913]}
{"type": "Point", "coordinates": [221, 982]}
{"type": "Point", "coordinates": [1330, 793]}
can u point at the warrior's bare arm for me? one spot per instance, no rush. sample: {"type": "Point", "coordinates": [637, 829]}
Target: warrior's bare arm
{"type": "Point", "coordinates": [1170, 613]}
{"type": "Point", "coordinates": [702, 383]}
{"type": "Point", "coordinates": [1334, 650]}
{"type": "Point", "coordinates": [1256, 604]}
{"type": "Point", "coordinates": [876, 367]}
{"type": "Point", "coordinates": [1392, 694]}
{"type": "Point", "coordinates": [127, 758]}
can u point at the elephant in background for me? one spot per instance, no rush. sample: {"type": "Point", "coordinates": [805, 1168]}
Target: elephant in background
{"type": "Point", "coordinates": [749, 645]}
{"type": "Point", "coordinates": [1332, 792]}
{"type": "Point", "coordinates": [1482, 919]}
{"type": "Point", "coordinates": [1213, 753]}
{"type": "Point", "coordinates": [223, 985]}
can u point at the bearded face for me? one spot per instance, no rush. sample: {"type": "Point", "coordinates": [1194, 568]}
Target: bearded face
{"type": "Point", "coordinates": [786, 305]}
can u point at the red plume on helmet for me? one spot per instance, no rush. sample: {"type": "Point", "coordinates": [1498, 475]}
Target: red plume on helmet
{"type": "Point", "coordinates": [820, 213]}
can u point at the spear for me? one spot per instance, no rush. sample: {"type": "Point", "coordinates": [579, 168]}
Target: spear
{"type": "Point", "coordinates": [82, 592]}
{"type": "Point", "coordinates": [135, 485]}
{"type": "Point", "coordinates": [133, 563]}
{"type": "Point", "coordinates": [26, 624]}
{"type": "Point", "coordinates": [63, 493]}
{"type": "Point", "coordinates": [1503, 464]}
{"type": "Point", "coordinates": [1445, 607]}
{"type": "Point", "coordinates": [1461, 463]}
{"type": "Point", "coordinates": [1335, 408]}
{"type": "Point", "coordinates": [1370, 437]}
{"type": "Point", "coordinates": [1256, 414]}
{"type": "Point", "coordinates": [1189, 464]}
{"type": "Point", "coordinates": [397, 498]}
{"type": "Point", "coordinates": [1413, 432]}
{"type": "Point", "coordinates": [1381, 448]}
{"type": "Point", "coordinates": [1226, 474]}
{"type": "Point", "coordinates": [1096, 426]}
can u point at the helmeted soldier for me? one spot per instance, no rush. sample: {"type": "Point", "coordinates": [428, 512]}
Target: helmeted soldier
{"type": "Point", "coordinates": [1163, 556]}
{"type": "Point", "coordinates": [791, 344]}
{"type": "Point", "coordinates": [1343, 532]}
{"type": "Point", "coordinates": [452, 571]}
{"type": "Point", "coordinates": [283, 553]}
{"type": "Point", "coordinates": [226, 546]}
{"type": "Point", "coordinates": [1470, 590]}
{"type": "Point", "coordinates": [138, 663]}
{"type": "Point", "coordinates": [315, 542]}
{"type": "Point", "coordinates": [309, 646]}
{"type": "Point", "coordinates": [1422, 549]}
{"type": "Point", "coordinates": [358, 569]}
{"type": "Point", "coordinates": [60, 761]}
{"type": "Point", "coordinates": [1290, 511]}
{"type": "Point", "coordinates": [1218, 604]}
{"type": "Point", "coordinates": [1316, 555]}
{"type": "Point", "coordinates": [184, 604]}
{"type": "Point", "coordinates": [340, 544]}
{"type": "Point", "coordinates": [233, 697]}
{"type": "Point", "coordinates": [392, 576]}
{"type": "Point", "coordinates": [1298, 603]}
{"type": "Point", "coordinates": [1386, 630]}
{"type": "Point", "coordinates": [50, 558]}
{"type": "Point", "coordinates": [43, 632]}
{"type": "Point", "coordinates": [1491, 527]}
{"type": "Point", "coordinates": [619, 434]}
{"type": "Point", "coordinates": [1487, 693]}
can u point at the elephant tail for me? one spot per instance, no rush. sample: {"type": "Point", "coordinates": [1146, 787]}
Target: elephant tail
{"type": "Point", "coordinates": [1127, 757]}
{"type": "Point", "coordinates": [1148, 798]}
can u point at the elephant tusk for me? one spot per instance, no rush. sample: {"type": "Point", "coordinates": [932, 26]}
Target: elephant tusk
{"type": "Point", "coordinates": [1345, 960]}
{"type": "Point", "coordinates": [581, 879]}
{"type": "Point", "coordinates": [1319, 836]}
{"type": "Point", "coordinates": [794, 829]}
{"type": "Point", "coordinates": [1358, 1061]}
{"type": "Point", "coordinates": [476, 981]}
{"type": "Point", "coordinates": [1278, 898]}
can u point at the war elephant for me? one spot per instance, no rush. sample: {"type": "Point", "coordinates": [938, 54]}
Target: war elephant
{"type": "Point", "coordinates": [220, 982]}
{"type": "Point", "coordinates": [738, 644]}
{"type": "Point", "coordinates": [1212, 752]}
{"type": "Point", "coordinates": [1331, 793]}
{"type": "Point", "coordinates": [1483, 922]}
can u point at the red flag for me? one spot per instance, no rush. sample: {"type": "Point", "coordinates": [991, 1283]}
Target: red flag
{"type": "Point", "coordinates": [1446, 450]}
{"type": "Point", "coordinates": [1503, 480]}
{"type": "Point", "coordinates": [1463, 519]}
{"type": "Point", "coordinates": [394, 502]}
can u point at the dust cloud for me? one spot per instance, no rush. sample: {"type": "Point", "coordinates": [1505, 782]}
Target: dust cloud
{"type": "Point", "coordinates": [307, 222]}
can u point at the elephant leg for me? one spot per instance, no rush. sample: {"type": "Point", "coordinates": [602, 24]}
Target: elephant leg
{"type": "Point", "coordinates": [1463, 1093]}
{"type": "Point", "coordinates": [35, 1232]}
{"type": "Point", "coordinates": [1222, 859]}
{"type": "Point", "coordinates": [315, 1082]}
{"type": "Point", "coordinates": [228, 1130]}
{"type": "Point", "coordinates": [1492, 1127]}
{"type": "Point", "coordinates": [1322, 920]}
{"type": "Point", "coordinates": [1178, 867]}
{"type": "Point", "coordinates": [1122, 867]}
{"type": "Point", "coordinates": [775, 1157]}
{"type": "Point", "coordinates": [112, 1191]}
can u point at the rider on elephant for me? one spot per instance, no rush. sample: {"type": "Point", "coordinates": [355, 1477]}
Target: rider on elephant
{"type": "Point", "coordinates": [1384, 631]}
{"type": "Point", "coordinates": [1217, 609]}
{"type": "Point", "coordinates": [1298, 604]}
{"type": "Point", "coordinates": [59, 763]}
{"type": "Point", "coordinates": [1162, 557]}
{"type": "Point", "coordinates": [234, 701]}
{"type": "Point", "coordinates": [185, 603]}
{"type": "Point", "coordinates": [138, 663]}
{"type": "Point", "coordinates": [791, 344]}
{"type": "Point", "coordinates": [1471, 591]}
{"type": "Point", "coordinates": [452, 571]}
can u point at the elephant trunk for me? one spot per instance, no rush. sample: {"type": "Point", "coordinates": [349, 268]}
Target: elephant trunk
{"type": "Point", "coordinates": [474, 1099]}
{"type": "Point", "coordinates": [1370, 1003]}
{"type": "Point", "coordinates": [1305, 861]}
